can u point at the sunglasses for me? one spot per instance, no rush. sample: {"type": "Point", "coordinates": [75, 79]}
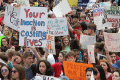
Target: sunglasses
{"type": "Point", "coordinates": [14, 71]}
{"type": "Point", "coordinates": [4, 70]}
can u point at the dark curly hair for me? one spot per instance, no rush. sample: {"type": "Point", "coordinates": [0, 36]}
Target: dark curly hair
{"type": "Point", "coordinates": [49, 69]}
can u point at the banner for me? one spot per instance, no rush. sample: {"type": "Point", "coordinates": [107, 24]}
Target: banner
{"type": "Point", "coordinates": [61, 9]}
{"type": "Point", "coordinates": [91, 57]}
{"type": "Point", "coordinates": [75, 71]}
{"type": "Point", "coordinates": [50, 46]}
{"type": "Point", "coordinates": [111, 16]}
{"type": "Point", "coordinates": [73, 3]}
{"type": "Point", "coordinates": [33, 26]}
{"type": "Point", "coordinates": [87, 40]}
{"type": "Point", "coordinates": [112, 41]}
{"type": "Point", "coordinates": [11, 17]}
{"type": "Point", "coordinates": [58, 25]}
{"type": "Point", "coordinates": [82, 3]}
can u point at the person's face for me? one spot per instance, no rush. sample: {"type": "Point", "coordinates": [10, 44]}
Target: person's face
{"type": "Point", "coordinates": [71, 59]}
{"type": "Point", "coordinates": [104, 66]}
{"type": "Point", "coordinates": [42, 67]}
{"type": "Point", "coordinates": [15, 74]}
{"type": "Point", "coordinates": [113, 57]}
{"type": "Point", "coordinates": [89, 31]}
{"type": "Point", "coordinates": [4, 42]}
{"type": "Point", "coordinates": [66, 41]}
{"type": "Point", "coordinates": [116, 76]}
{"type": "Point", "coordinates": [101, 35]}
{"type": "Point", "coordinates": [29, 60]}
{"type": "Point", "coordinates": [27, 49]}
{"type": "Point", "coordinates": [77, 55]}
{"type": "Point", "coordinates": [4, 71]}
{"type": "Point", "coordinates": [6, 31]}
{"type": "Point", "coordinates": [95, 50]}
{"type": "Point", "coordinates": [86, 56]}
{"type": "Point", "coordinates": [88, 75]}
{"type": "Point", "coordinates": [60, 57]}
{"type": "Point", "coordinates": [75, 19]}
{"type": "Point", "coordinates": [16, 36]}
{"type": "Point", "coordinates": [77, 31]}
{"type": "Point", "coordinates": [82, 19]}
{"type": "Point", "coordinates": [18, 59]}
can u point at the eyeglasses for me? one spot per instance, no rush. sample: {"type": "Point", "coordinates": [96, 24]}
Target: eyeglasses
{"type": "Point", "coordinates": [4, 70]}
{"type": "Point", "coordinates": [14, 71]}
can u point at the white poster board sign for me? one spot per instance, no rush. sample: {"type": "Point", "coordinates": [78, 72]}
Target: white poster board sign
{"type": "Point", "coordinates": [58, 25]}
{"type": "Point", "coordinates": [11, 17]}
{"type": "Point", "coordinates": [33, 26]}
{"type": "Point", "coordinates": [112, 41]}
{"type": "Point", "coordinates": [91, 56]}
{"type": "Point", "coordinates": [87, 40]}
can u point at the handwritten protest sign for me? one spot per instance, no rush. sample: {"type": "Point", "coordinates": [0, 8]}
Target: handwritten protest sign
{"type": "Point", "coordinates": [73, 2]}
{"type": "Point", "coordinates": [87, 40]}
{"type": "Point", "coordinates": [61, 9]}
{"type": "Point", "coordinates": [50, 46]}
{"type": "Point", "coordinates": [75, 71]}
{"type": "Point", "coordinates": [58, 25]}
{"type": "Point", "coordinates": [43, 77]}
{"type": "Point", "coordinates": [112, 41]}
{"type": "Point", "coordinates": [11, 17]}
{"type": "Point", "coordinates": [91, 57]}
{"type": "Point", "coordinates": [33, 26]}
{"type": "Point", "coordinates": [23, 2]}
{"type": "Point", "coordinates": [111, 16]}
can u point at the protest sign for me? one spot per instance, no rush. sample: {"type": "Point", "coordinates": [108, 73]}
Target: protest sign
{"type": "Point", "coordinates": [43, 77]}
{"type": "Point", "coordinates": [82, 3]}
{"type": "Point", "coordinates": [75, 71]}
{"type": "Point", "coordinates": [112, 41]}
{"type": "Point", "coordinates": [91, 57]}
{"type": "Point", "coordinates": [58, 25]}
{"type": "Point", "coordinates": [87, 40]}
{"type": "Point", "coordinates": [50, 46]}
{"type": "Point", "coordinates": [23, 3]}
{"type": "Point", "coordinates": [61, 9]}
{"type": "Point", "coordinates": [11, 17]}
{"type": "Point", "coordinates": [33, 26]}
{"type": "Point", "coordinates": [111, 16]}
{"type": "Point", "coordinates": [73, 3]}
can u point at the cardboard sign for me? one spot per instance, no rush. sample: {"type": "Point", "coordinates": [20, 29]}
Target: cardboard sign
{"type": "Point", "coordinates": [87, 40]}
{"type": "Point", "coordinates": [43, 77]}
{"type": "Point", "coordinates": [33, 26]}
{"type": "Point", "coordinates": [50, 46]}
{"type": "Point", "coordinates": [75, 71]}
{"type": "Point", "coordinates": [73, 3]}
{"type": "Point", "coordinates": [58, 25]}
{"type": "Point", "coordinates": [61, 9]}
{"type": "Point", "coordinates": [112, 41]}
{"type": "Point", "coordinates": [111, 16]}
{"type": "Point", "coordinates": [91, 57]}
{"type": "Point", "coordinates": [11, 17]}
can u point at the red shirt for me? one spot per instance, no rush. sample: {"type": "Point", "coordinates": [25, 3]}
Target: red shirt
{"type": "Point", "coordinates": [1, 18]}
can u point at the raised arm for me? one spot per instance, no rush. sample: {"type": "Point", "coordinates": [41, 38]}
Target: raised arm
{"type": "Point", "coordinates": [69, 27]}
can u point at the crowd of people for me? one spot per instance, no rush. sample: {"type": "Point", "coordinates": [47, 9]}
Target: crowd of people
{"type": "Point", "coordinates": [23, 63]}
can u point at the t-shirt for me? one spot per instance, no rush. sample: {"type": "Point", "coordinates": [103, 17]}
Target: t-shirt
{"type": "Point", "coordinates": [29, 72]}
